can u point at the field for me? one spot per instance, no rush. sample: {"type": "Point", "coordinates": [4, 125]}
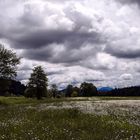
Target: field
{"type": "Point", "coordinates": [96, 118]}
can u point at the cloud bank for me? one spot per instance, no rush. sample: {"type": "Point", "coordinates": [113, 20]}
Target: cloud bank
{"type": "Point", "coordinates": [75, 41]}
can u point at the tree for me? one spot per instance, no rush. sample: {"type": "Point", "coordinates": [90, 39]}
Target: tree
{"type": "Point", "coordinates": [69, 90]}
{"type": "Point", "coordinates": [54, 90]}
{"type": "Point", "coordinates": [8, 63]}
{"type": "Point", "coordinates": [38, 82]}
{"type": "Point", "coordinates": [88, 89]}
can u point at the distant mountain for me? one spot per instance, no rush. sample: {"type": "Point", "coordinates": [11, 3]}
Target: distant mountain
{"type": "Point", "coordinates": [104, 89]}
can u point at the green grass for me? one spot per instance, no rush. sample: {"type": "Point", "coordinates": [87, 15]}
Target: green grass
{"type": "Point", "coordinates": [18, 123]}
{"type": "Point", "coordinates": [21, 119]}
{"type": "Point", "coordinates": [23, 100]}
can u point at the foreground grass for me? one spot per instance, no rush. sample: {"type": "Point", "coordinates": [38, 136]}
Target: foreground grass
{"type": "Point", "coordinates": [20, 123]}
{"type": "Point", "coordinates": [22, 119]}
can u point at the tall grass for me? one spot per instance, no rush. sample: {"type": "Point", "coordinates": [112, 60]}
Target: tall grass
{"type": "Point", "coordinates": [20, 123]}
{"type": "Point", "coordinates": [23, 100]}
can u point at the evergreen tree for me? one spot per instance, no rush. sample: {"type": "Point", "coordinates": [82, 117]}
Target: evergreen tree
{"type": "Point", "coordinates": [69, 90]}
{"type": "Point", "coordinates": [37, 86]}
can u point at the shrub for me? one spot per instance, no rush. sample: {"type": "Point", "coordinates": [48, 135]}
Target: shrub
{"type": "Point", "coordinates": [74, 94]}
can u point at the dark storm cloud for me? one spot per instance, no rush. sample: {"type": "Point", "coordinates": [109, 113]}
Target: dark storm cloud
{"type": "Point", "coordinates": [69, 55]}
{"type": "Point", "coordinates": [124, 48]}
{"type": "Point", "coordinates": [41, 54]}
{"type": "Point", "coordinates": [40, 43]}
{"type": "Point", "coordinates": [30, 34]}
{"type": "Point", "coordinates": [130, 2]}
{"type": "Point", "coordinates": [41, 38]}
{"type": "Point", "coordinates": [34, 34]}
{"type": "Point", "coordinates": [128, 54]}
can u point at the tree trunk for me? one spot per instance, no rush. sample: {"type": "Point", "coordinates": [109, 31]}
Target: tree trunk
{"type": "Point", "coordinates": [38, 94]}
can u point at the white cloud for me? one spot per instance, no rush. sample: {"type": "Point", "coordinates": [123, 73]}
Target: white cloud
{"type": "Point", "coordinates": [74, 40]}
{"type": "Point", "coordinates": [126, 76]}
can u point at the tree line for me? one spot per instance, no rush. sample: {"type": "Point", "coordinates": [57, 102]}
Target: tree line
{"type": "Point", "coordinates": [126, 91]}
{"type": "Point", "coordinates": [37, 86]}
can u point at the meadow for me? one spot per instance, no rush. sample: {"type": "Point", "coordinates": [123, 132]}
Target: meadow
{"type": "Point", "coordinates": [95, 118]}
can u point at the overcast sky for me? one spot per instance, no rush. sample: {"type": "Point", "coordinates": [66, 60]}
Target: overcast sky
{"type": "Point", "coordinates": [75, 40]}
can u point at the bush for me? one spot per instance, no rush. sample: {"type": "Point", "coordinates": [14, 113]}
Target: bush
{"type": "Point", "coordinates": [74, 94]}
{"type": "Point", "coordinates": [30, 92]}
{"type": "Point", "coordinates": [7, 94]}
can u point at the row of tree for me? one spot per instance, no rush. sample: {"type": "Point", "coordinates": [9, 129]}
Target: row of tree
{"type": "Point", "coordinates": [86, 90]}
{"type": "Point", "coordinates": [127, 91]}
{"type": "Point", "coordinates": [38, 81]}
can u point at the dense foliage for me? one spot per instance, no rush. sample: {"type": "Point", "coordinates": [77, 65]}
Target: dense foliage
{"type": "Point", "coordinates": [8, 63]}
{"type": "Point", "coordinates": [88, 89]}
{"type": "Point", "coordinates": [10, 87]}
{"type": "Point", "coordinates": [38, 82]}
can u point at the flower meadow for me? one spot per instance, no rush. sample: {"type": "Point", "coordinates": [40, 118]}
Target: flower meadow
{"type": "Point", "coordinates": [66, 120]}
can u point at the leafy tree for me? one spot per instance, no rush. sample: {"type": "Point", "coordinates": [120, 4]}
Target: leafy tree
{"type": "Point", "coordinates": [38, 82]}
{"type": "Point", "coordinates": [69, 90]}
{"type": "Point", "coordinates": [8, 63]}
{"type": "Point", "coordinates": [88, 89]}
{"type": "Point", "coordinates": [17, 88]}
{"type": "Point", "coordinates": [54, 90]}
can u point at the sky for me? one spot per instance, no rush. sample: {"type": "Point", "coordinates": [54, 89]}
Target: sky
{"type": "Point", "coordinates": [75, 40]}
